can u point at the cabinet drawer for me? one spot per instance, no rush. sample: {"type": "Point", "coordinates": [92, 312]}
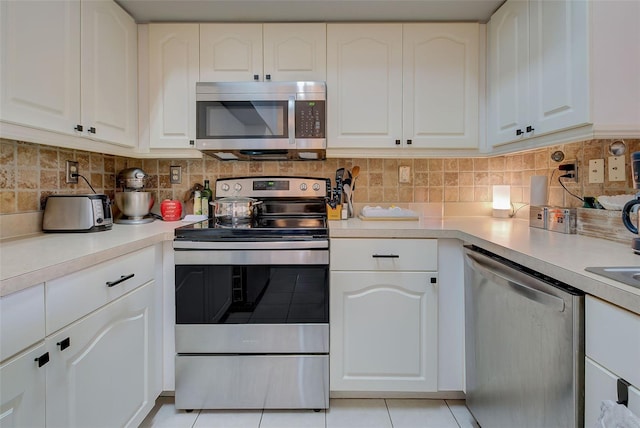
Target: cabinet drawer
{"type": "Point", "coordinates": [21, 320]}
{"type": "Point", "coordinates": [599, 385]}
{"type": "Point", "coordinates": [73, 296]}
{"type": "Point", "coordinates": [384, 254]}
{"type": "Point", "coordinates": [613, 338]}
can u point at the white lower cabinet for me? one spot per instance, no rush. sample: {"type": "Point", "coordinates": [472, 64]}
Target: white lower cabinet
{"type": "Point", "coordinates": [100, 366]}
{"type": "Point", "coordinates": [98, 363]}
{"type": "Point", "coordinates": [22, 390]}
{"type": "Point", "coordinates": [384, 315]}
{"type": "Point", "coordinates": [612, 349]}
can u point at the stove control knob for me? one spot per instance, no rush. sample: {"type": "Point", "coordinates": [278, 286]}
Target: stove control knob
{"type": "Point", "coordinates": [237, 187]}
{"type": "Point", "coordinates": [303, 186]}
{"type": "Point", "coordinates": [225, 187]}
{"type": "Point", "coordinates": [316, 187]}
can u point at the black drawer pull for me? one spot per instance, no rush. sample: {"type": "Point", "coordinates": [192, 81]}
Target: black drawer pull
{"type": "Point", "coordinates": [123, 278]}
{"type": "Point", "coordinates": [623, 392]}
{"type": "Point", "coordinates": [64, 343]}
{"type": "Point", "coordinates": [385, 256]}
{"type": "Point", "coordinates": [42, 359]}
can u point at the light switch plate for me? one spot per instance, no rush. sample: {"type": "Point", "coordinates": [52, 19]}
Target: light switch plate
{"type": "Point", "coordinates": [596, 171]}
{"type": "Point", "coordinates": [616, 168]}
{"type": "Point", "coordinates": [405, 174]}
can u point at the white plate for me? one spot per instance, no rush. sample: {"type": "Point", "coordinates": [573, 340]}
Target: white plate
{"type": "Point", "coordinates": [614, 203]}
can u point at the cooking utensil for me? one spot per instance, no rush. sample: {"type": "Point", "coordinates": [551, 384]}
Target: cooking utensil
{"type": "Point", "coordinates": [355, 172]}
{"type": "Point", "coordinates": [234, 209]}
{"type": "Point", "coordinates": [347, 197]}
{"type": "Point", "coordinates": [339, 177]}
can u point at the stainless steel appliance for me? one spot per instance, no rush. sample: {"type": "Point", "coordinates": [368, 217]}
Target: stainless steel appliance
{"type": "Point", "coordinates": [626, 219]}
{"type": "Point", "coordinates": [261, 120]}
{"type": "Point", "coordinates": [77, 213]}
{"type": "Point", "coordinates": [252, 306]}
{"type": "Point", "coordinates": [132, 201]}
{"type": "Point", "coordinates": [524, 345]}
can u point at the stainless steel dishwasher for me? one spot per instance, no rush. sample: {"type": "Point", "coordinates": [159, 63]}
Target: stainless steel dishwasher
{"type": "Point", "coordinates": [524, 345]}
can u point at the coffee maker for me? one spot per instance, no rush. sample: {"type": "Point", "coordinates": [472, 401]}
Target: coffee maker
{"type": "Point", "coordinates": [626, 211]}
{"type": "Point", "coordinates": [132, 201]}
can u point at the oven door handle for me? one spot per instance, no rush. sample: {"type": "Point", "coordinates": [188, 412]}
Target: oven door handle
{"type": "Point", "coordinates": [292, 122]}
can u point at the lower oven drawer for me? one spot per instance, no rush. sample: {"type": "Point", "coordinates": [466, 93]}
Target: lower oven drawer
{"type": "Point", "coordinates": [252, 382]}
{"type": "Point", "coordinates": [252, 338]}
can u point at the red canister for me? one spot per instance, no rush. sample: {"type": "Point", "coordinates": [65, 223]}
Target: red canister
{"type": "Point", "coordinates": [171, 210]}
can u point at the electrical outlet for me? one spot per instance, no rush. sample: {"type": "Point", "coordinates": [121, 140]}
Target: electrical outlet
{"type": "Point", "coordinates": [596, 171]}
{"type": "Point", "coordinates": [616, 168]}
{"type": "Point", "coordinates": [569, 168]}
{"type": "Point", "coordinates": [175, 174]}
{"type": "Point", "coordinates": [72, 168]}
{"type": "Point", "coordinates": [405, 174]}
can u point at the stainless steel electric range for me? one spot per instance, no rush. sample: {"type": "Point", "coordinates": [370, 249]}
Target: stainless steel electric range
{"type": "Point", "coordinates": [252, 300]}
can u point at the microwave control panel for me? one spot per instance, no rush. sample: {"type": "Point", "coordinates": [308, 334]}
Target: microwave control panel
{"type": "Point", "coordinates": [310, 119]}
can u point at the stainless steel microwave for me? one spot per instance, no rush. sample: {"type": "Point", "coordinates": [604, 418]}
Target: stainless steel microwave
{"type": "Point", "coordinates": [261, 120]}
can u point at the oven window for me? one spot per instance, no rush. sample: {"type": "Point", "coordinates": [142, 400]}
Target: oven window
{"type": "Point", "coordinates": [253, 294]}
{"type": "Point", "coordinates": [242, 119]}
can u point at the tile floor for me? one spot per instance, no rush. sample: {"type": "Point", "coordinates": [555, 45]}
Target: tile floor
{"type": "Point", "coordinates": [343, 413]}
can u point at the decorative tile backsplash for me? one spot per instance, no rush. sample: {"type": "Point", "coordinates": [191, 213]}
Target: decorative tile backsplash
{"type": "Point", "coordinates": [31, 172]}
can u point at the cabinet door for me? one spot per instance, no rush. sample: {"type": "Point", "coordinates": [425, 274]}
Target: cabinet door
{"type": "Point", "coordinates": [109, 73]}
{"type": "Point", "coordinates": [364, 85]}
{"type": "Point", "coordinates": [101, 376]}
{"type": "Point", "coordinates": [40, 64]}
{"type": "Point", "coordinates": [508, 73]}
{"type": "Point", "coordinates": [22, 390]}
{"type": "Point", "coordinates": [295, 52]}
{"type": "Point", "coordinates": [559, 46]}
{"type": "Point", "coordinates": [384, 331]}
{"type": "Point", "coordinates": [230, 52]}
{"type": "Point", "coordinates": [173, 73]}
{"type": "Point", "coordinates": [440, 85]}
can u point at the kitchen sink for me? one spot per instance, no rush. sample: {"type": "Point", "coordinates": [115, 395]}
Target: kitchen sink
{"type": "Point", "coordinates": [629, 275]}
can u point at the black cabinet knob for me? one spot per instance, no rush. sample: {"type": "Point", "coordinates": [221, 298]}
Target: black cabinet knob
{"type": "Point", "coordinates": [530, 128]}
{"type": "Point", "coordinates": [397, 142]}
{"type": "Point", "coordinates": [192, 142]}
{"type": "Point", "coordinates": [519, 132]}
{"type": "Point", "coordinates": [79, 128]}
{"type": "Point", "coordinates": [92, 130]}
{"type": "Point", "coordinates": [64, 344]}
{"type": "Point", "coordinates": [267, 77]}
{"type": "Point", "coordinates": [42, 359]}
{"type": "Point", "coordinates": [256, 77]}
{"type": "Point", "coordinates": [409, 142]}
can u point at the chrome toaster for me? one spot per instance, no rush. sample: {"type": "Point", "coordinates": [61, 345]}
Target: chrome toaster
{"type": "Point", "coordinates": [77, 213]}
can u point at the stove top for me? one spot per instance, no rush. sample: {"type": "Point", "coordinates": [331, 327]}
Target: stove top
{"type": "Point", "coordinates": [293, 208]}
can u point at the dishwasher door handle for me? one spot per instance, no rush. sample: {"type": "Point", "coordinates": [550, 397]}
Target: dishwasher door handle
{"type": "Point", "coordinates": [500, 275]}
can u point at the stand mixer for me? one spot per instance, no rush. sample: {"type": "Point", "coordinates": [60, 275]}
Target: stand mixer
{"type": "Point", "coordinates": [132, 201]}
{"type": "Point", "coordinates": [626, 211]}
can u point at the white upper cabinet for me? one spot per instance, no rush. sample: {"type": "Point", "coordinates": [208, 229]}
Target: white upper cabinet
{"type": "Point", "coordinates": [40, 68]}
{"type": "Point", "coordinates": [109, 73]}
{"type": "Point", "coordinates": [538, 75]}
{"type": "Point", "coordinates": [262, 52]}
{"type": "Point", "coordinates": [440, 85]}
{"type": "Point", "coordinates": [173, 73]}
{"type": "Point", "coordinates": [403, 85]}
{"type": "Point", "coordinates": [70, 67]}
{"type": "Point", "coordinates": [562, 70]}
{"type": "Point", "coordinates": [364, 85]}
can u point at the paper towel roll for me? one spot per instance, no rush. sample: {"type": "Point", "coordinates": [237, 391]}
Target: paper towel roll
{"type": "Point", "coordinates": [538, 190]}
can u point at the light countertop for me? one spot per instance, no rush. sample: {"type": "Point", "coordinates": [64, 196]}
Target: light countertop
{"type": "Point", "coordinates": [29, 261]}
{"type": "Point", "coordinates": [558, 255]}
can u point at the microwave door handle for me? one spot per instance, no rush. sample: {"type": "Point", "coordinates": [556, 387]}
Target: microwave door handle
{"type": "Point", "coordinates": [292, 121]}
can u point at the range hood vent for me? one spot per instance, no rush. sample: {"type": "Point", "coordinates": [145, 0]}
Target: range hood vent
{"type": "Point", "coordinates": [267, 155]}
